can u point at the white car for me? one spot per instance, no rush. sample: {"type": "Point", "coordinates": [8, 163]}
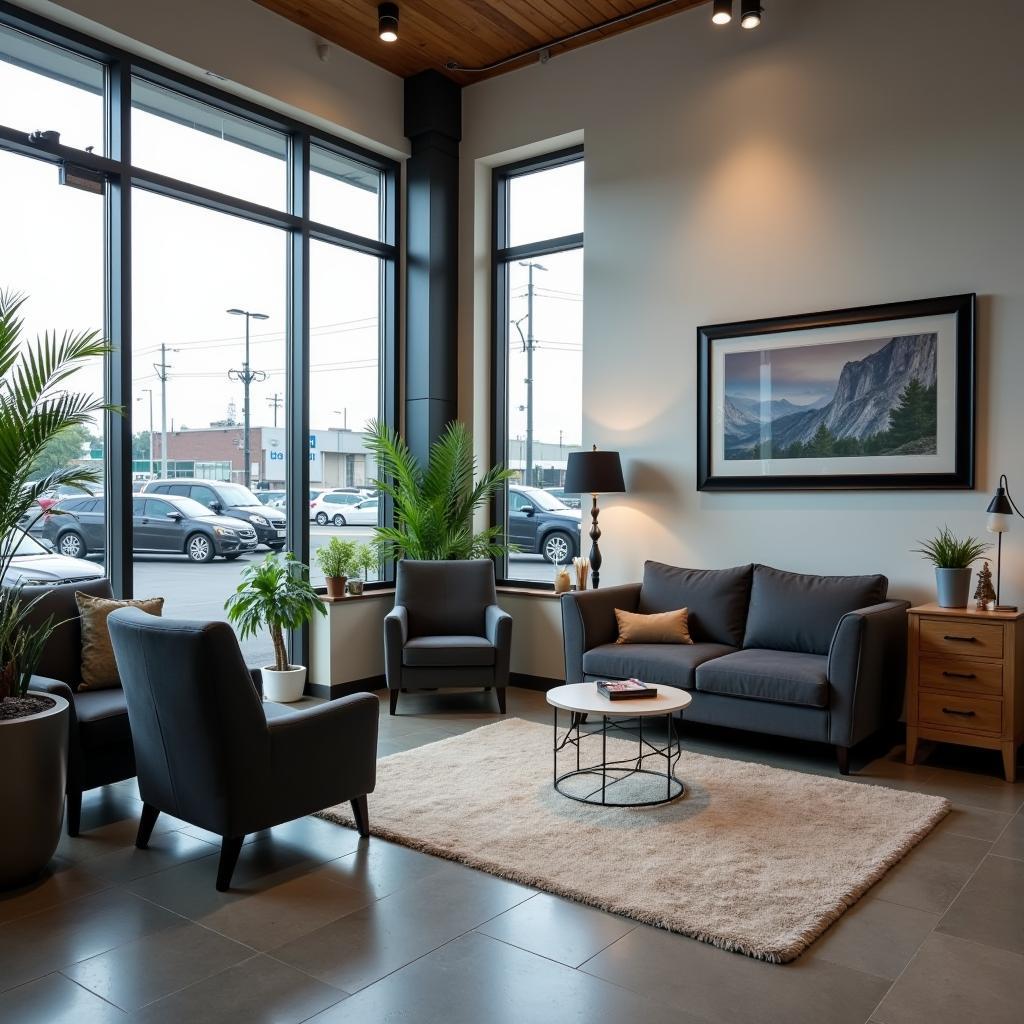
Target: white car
{"type": "Point", "coordinates": [363, 514]}
{"type": "Point", "coordinates": [333, 507]}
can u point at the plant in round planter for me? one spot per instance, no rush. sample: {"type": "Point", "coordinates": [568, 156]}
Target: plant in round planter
{"type": "Point", "coordinates": [367, 559]}
{"type": "Point", "coordinates": [38, 414]}
{"type": "Point", "coordinates": [338, 561]}
{"type": "Point", "coordinates": [952, 557]}
{"type": "Point", "coordinates": [276, 594]}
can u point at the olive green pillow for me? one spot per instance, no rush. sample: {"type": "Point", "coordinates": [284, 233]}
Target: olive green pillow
{"type": "Point", "coordinates": [657, 628]}
{"type": "Point", "coordinates": [99, 670]}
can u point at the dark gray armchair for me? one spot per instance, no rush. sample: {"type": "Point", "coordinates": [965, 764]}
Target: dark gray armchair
{"type": "Point", "coordinates": [210, 752]}
{"type": "Point", "coordinates": [446, 629]}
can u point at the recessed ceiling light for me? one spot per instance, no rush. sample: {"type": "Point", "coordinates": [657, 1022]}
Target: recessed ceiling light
{"type": "Point", "coordinates": [387, 22]}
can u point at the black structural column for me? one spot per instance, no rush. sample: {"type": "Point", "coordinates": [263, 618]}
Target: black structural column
{"type": "Point", "coordinates": [433, 123]}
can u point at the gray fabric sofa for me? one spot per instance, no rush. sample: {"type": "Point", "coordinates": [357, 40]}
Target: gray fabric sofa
{"type": "Point", "coordinates": [811, 657]}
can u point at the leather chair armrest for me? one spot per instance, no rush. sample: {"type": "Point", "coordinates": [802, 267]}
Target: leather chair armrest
{"type": "Point", "coordinates": [317, 752]}
{"type": "Point", "coordinates": [867, 667]}
{"type": "Point", "coordinates": [588, 620]}
{"type": "Point", "coordinates": [396, 632]}
{"type": "Point", "coordinates": [58, 689]}
{"type": "Point", "coordinates": [257, 680]}
{"type": "Point", "coordinates": [498, 624]}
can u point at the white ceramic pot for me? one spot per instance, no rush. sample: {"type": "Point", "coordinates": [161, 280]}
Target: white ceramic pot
{"type": "Point", "coordinates": [284, 687]}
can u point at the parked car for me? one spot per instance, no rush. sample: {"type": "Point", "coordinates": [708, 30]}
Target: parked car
{"type": "Point", "coordinates": [334, 507]}
{"type": "Point", "coordinates": [36, 565]}
{"type": "Point", "coordinates": [275, 499]}
{"type": "Point", "coordinates": [231, 500]}
{"type": "Point", "coordinates": [539, 523]}
{"type": "Point", "coordinates": [365, 513]}
{"type": "Point", "coordinates": [569, 500]}
{"type": "Point", "coordinates": [164, 523]}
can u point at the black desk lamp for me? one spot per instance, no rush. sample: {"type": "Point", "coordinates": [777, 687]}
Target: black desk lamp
{"type": "Point", "coordinates": [595, 473]}
{"type": "Point", "coordinates": [1000, 512]}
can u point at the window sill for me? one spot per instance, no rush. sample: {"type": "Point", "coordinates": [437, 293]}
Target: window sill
{"type": "Point", "coordinates": [528, 591]}
{"type": "Point", "coordinates": [365, 595]}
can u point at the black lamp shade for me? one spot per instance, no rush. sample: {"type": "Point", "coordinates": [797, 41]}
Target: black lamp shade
{"type": "Point", "coordinates": [593, 473]}
{"type": "Point", "coordinates": [999, 505]}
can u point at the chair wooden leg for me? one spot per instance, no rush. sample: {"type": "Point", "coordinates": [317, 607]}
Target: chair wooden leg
{"type": "Point", "coordinates": [501, 691]}
{"type": "Point", "coordinates": [230, 848]}
{"type": "Point", "coordinates": [74, 813]}
{"type": "Point", "coordinates": [843, 760]}
{"type": "Point", "coordinates": [361, 814]}
{"type": "Point", "coordinates": [146, 823]}
{"type": "Point", "coordinates": [394, 700]}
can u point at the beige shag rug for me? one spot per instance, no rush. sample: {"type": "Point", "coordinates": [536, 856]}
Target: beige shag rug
{"type": "Point", "coordinates": [754, 859]}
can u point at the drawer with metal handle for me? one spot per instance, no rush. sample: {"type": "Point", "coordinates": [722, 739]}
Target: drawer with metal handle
{"type": "Point", "coordinates": [960, 713]}
{"type": "Point", "coordinates": [962, 639]}
{"type": "Point", "coordinates": [961, 675]}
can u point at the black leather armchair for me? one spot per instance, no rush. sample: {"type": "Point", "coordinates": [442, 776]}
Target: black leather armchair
{"type": "Point", "coordinates": [99, 738]}
{"type": "Point", "coordinates": [446, 629]}
{"type": "Point", "coordinates": [211, 753]}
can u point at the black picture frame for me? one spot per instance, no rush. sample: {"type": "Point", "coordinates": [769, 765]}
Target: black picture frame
{"type": "Point", "coordinates": [961, 477]}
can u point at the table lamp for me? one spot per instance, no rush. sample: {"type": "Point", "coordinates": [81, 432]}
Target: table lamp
{"type": "Point", "coordinates": [1000, 512]}
{"type": "Point", "coordinates": [595, 473]}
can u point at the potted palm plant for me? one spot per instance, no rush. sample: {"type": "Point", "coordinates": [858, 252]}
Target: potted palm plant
{"type": "Point", "coordinates": [338, 560]}
{"type": "Point", "coordinates": [276, 594]}
{"type": "Point", "coordinates": [952, 558]}
{"type": "Point", "coordinates": [435, 505]}
{"type": "Point", "coordinates": [367, 558]}
{"type": "Point", "coordinates": [37, 410]}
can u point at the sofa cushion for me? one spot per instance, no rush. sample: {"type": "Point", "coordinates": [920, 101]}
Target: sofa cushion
{"type": "Point", "coordinates": [782, 677]}
{"type": "Point", "coordinates": [99, 670]}
{"type": "Point", "coordinates": [447, 652]}
{"type": "Point", "coordinates": [670, 664]}
{"type": "Point", "coordinates": [716, 599]}
{"type": "Point", "coordinates": [102, 717]}
{"type": "Point", "coordinates": [653, 628]}
{"type": "Point", "coordinates": [793, 612]}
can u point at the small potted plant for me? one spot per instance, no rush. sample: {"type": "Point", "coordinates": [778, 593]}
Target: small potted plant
{"type": "Point", "coordinates": [367, 558]}
{"type": "Point", "coordinates": [276, 594]}
{"type": "Point", "coordinates": [952, 558]}
{"type": "Point", "coordinates": [337, 562]}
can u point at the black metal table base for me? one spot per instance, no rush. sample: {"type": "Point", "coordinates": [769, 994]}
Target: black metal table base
{"type": "Point", "coordinates": [608, 774]}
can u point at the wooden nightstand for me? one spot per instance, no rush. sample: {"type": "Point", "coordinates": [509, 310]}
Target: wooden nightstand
{"type": "Point", "coordinates": [965, 680]}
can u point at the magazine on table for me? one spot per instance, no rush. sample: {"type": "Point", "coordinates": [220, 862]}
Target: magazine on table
{"type": "Point", "coordinates": [625, 689]}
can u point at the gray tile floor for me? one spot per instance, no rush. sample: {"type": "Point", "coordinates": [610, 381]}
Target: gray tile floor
{"type": "Point", "coordinates": [324, 927]}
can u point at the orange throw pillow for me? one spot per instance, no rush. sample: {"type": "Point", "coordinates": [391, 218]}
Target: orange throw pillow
{"type": "Point", "coordinates": [659, 628]}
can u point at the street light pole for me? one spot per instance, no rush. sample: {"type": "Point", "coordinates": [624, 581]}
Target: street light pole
{"type": "Point", "coordinates": [247, 376]}
{"type": "Point", "coordinates": [161, 369]}
{"type": "Point", "coordinates": [530, 267]}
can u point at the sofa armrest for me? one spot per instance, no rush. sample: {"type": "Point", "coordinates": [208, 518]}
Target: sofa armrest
{"type": "Point", "coordinates": [588, 620]}
{"type": "Point", "coordinates": [867, 667]}
{"type": "Point", "coordinates": [56, 688]}
{"type": "Point", "coordinates": [498, 627]}
{"type": "Point", "coordinates": [396, 633]}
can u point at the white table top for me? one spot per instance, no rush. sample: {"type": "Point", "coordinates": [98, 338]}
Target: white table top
{"type": "Point", "coordinates": [586, 699]}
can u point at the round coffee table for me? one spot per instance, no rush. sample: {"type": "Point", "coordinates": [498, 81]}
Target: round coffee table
{"type": "Point", "coordinates": [584, 699]}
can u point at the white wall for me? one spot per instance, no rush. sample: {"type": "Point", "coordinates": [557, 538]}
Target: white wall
{"type": "Point", "coordinates": [264, 58]}
{"type": "Point", "coordinates": [843, 154]}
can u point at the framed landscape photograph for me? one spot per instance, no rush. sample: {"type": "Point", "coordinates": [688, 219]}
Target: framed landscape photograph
{"type": "Point", "coordinates": [879, 397]}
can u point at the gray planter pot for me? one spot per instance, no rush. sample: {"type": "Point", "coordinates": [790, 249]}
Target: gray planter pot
{"type": "Point", "coordinates": [953, 587]}
{"type": "Point", "coordinates": [34, 768]}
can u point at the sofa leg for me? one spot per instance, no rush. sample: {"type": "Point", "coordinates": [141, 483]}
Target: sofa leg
{"type": "Point", "coordinates": [361, 814]}
{"type": "Point", "coordinates": [230, 848]}
{"type": "Point", "coordinates": [146, 823]}
{"type": "Point", "coordinates": [843, 760]}
{"type": "Point", "coordinates": [74, 813]}
{"type": "Point", "coordinates": [394, 700]}
{"type": "Point", "coordinates": [502, 705]}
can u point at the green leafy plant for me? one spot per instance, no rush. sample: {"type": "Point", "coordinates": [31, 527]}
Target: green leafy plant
{"type": "Point", "coordinates": [367, 559]}
{"type": "Point", "coordinates": [947, 551]}
{"type": "Point", "coordinates": [276, 594]}
{"type": "Point", "coordinates": [38, 411]}
{"type": "Point", "coordinates": [338, 558]}
{"type": "Point", "coordinates": [435, 505]}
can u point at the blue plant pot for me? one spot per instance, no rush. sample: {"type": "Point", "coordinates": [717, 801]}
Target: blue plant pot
{"type": "Point", "coordinates": [953, 587]}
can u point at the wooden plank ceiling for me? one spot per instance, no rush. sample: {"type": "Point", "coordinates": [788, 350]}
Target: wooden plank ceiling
{"type": "Point", "coordinates": [473, 33]}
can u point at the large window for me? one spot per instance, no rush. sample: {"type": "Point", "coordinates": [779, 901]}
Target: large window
{"type": "Point", "coordinates": [538, 358]}
{"type": "Point", "coordinates": [244, 268]}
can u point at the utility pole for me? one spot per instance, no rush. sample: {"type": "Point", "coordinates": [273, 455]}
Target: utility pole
{"type": "Point", "coordinates": [275, 403]}
{"type": "Point", "coordinates": [529, 344]}
{"type": "Point", "coordinates": [149, 391]}
{"type": "Point", "coordinates": [161, 369]}
{"type": "Point", "coordinates": [246, 376]}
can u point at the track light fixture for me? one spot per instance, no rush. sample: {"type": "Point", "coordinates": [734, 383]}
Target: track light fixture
{"type": "Point", "coordinates": [751, 13]}
{"type": "Point", "coordinates": [387, 22]}
{"type": "Point", "coordinates": [721, 13]}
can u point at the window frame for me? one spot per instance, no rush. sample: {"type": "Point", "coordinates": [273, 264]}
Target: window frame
{"type": "Point", "coordinates": [502, 254]}
{"type": "Point", "coordinates": [122, 177]}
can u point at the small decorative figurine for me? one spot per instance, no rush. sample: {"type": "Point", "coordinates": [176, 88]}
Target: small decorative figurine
{"type": "Point", "coordinates": [984, 594]}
